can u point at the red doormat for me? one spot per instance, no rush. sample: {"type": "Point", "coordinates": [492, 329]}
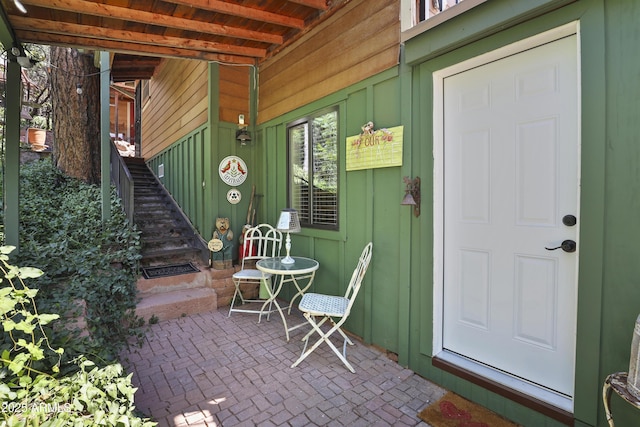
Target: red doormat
{"type": "Point", "coordinates": [454, 411]}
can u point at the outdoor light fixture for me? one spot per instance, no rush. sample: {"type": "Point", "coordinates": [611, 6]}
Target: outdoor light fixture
{"type": "Point", "coordinates": [290, 223]}
{"type": "Point", "coordinates": [412, 194]}
{"type": "Point", "coordinates": [79, 88]}
{"type": "Point", "coordinates": [25, 61]}
{"type": "Point", "coordinates": [20, 6]}
{"type": "Point", "coordinates": [242, 134]}
{"type": "Point", "coordinates": [21, 57]}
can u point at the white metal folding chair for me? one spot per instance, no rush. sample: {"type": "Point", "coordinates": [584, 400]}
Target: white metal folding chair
{"type": "Point", "coordinates": [260, 242]}
{"type": "Point", "coordinates": [324, 308]}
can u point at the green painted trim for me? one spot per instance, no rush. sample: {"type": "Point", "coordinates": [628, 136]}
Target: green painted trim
{"type": "Point", "coordinates": [7, 35]}
{"type": "Point", "coordinates": [588, 380]}
{"type": "Point", "coordinates": [271, 180]}
{"type": "Point", "coordinates": [213, 91]}
{"type": "Point", "coordinates": [11, 185]}
{"type": "Point", "coordinates": [253, 97]}
{"type": "Point", "coordinates": [105, 139]}
{"type": "Point", "coordinates": [212, 190]}
{"type": "Point", "coordinates": [13, 99]}
{"type": "Point", "coordinates": [410, 225]}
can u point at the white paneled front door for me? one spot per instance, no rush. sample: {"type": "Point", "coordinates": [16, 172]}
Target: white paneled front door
{"type": "Point", "coordinates": [510, 191]}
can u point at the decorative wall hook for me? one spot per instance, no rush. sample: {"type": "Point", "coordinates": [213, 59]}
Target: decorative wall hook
{"type": "Point", "coordinates": [412, 194]}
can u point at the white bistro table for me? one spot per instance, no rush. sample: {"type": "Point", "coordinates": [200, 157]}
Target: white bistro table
{"type": "Point", "coordinates": [300, 273]}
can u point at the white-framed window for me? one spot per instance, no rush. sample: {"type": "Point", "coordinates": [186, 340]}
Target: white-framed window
{"type": "Point", "coordinates": [430, 8]}
{"type": "Point", "coordinates": [313, 169]}
{"type": "Point", "coordinates": [420, 12]}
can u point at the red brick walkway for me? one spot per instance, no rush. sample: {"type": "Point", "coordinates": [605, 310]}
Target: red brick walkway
{"type": "Point", "coordinates": [213, 370]}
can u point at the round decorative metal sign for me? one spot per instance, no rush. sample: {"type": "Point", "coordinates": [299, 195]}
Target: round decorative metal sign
{"type": "Point", "coordinates": [234, 196]}
{"type": "Point", "coordinates": [232, 170]}
{"type": "Point", "coordinates": [215, 245]}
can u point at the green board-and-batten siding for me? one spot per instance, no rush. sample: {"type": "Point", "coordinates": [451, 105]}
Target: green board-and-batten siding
{"type": "Point", "coordinates": [191, 176]}
{"type": "Point", "coordinates": [395, 309]}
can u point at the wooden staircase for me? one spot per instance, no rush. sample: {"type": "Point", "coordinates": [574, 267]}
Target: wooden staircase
{"type": "Point", "coordinates": [166, 234]}
{"type": "Point", "coordinates": [167, 237]}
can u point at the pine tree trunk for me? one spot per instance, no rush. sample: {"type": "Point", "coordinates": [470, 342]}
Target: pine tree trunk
{"type": "Point", "coordinates": [76, 117]}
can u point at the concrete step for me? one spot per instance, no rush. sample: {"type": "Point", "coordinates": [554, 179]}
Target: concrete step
{"type": "Point", "coordinates": [178, 303]}
{"type": "Point", "coordinates": [199, 279]}
{"type": "Point", "coordinates": [172, 297]}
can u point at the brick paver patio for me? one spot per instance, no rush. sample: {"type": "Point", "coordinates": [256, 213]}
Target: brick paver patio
{"type": "Point", "coordinates": [213, 370]}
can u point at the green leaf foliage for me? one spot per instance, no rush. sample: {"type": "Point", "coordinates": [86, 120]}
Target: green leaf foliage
{"type": "Point", "coordinates": [88, 395]}
{"type": "Point", "coordinates": [82, 267]}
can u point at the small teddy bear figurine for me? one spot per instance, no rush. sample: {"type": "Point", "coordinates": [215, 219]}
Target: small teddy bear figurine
{"type": "Point", "coordinates": [222, 254]}
{"type": "Point", "coordinates": [223, 230]}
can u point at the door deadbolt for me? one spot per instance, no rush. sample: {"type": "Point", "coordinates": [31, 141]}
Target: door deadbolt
{"type": "Point", "coordinates": [567, 246]}
{"type": "Point", "coordinates": [569, 220]}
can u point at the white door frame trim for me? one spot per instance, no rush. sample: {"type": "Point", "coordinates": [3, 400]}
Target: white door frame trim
{"type": "Point", "coordinates": [439, 76]}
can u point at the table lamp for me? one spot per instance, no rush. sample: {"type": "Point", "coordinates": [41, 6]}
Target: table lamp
{"type": "Point", "coordinates": [290, 223]}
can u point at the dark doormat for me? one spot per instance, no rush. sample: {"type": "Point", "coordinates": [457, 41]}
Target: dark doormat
{"type": "Point", "coordinates": [455, 411]}
{"type": "Point", "coordinates": [168, 270]}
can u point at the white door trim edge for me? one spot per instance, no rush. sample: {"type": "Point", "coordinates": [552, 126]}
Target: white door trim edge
{"type": "Point", "coordinates": [557, 400]}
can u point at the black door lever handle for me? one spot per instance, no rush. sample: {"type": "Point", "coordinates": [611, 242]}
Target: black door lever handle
{"type": "Point", "coordinates": [567, 246]}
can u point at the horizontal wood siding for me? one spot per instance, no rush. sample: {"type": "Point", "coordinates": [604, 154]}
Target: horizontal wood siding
{"type": "Point", "coordinates": [361, 40]}
{"type": "Point", "coordinates": [177, 106]}
{"type": "Point", "coordinates": [234, 93]}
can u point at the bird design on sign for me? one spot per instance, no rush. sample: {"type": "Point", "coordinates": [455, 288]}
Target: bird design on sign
{"type": "Point", "coordinates": [227, 167]}
{"type": "Point", "coordinates": [233, 167]}
{"type": "Point", "coordinates": [233, 171]}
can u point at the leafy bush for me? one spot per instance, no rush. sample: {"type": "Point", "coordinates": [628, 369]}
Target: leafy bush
{"type": "Point", "coordinates": [90, 396]}
{"type": "Point", "coordinates": [91, 266]}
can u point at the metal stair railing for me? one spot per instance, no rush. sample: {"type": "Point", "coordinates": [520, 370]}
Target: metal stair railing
{"type": "Point", "coordinates": [123, 181]}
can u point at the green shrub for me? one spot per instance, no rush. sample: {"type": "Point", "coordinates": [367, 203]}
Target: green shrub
{"type": "Point", "coordinates": [90, 396]}
{"type": "Point", "coordinates": [91, 266]}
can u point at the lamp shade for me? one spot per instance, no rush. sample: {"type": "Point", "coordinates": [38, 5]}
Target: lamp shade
{"type": "Point", "coordinates": [243, 135]}
{"type": "Point", "coordinates": [408, 200]}
{"type": "Point", "coordinates": [289, 221]}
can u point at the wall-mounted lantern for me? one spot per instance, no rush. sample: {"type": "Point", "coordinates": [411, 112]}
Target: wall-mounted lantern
{"type": "Point", "coordinates": [242, 134]}
{"type": "Point", "coordinates": [412, 194]}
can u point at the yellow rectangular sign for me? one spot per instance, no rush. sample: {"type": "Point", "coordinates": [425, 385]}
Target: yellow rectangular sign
{"type": "Point", "coordinates": [379, 149]}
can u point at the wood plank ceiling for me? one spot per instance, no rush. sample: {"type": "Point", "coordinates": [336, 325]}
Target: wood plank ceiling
{"type": "Point", "coordinates": [141, 32]}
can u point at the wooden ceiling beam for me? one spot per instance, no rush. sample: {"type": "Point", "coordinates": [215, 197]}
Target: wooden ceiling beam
{"type": "Point", "coordinates": [316, 4]}
{"type": "Point", "coordinates": [127, 77]}
{"type": "Point", "coordinates": [116, 12]}
{"type": "Point", "coordinates": [242, 11]}
{"type": "Point", "coordinates": [143, 61]}
{"type": "Point", "coordinates": [130, 47]}
{"type": "Point", "coordinates": [129, 93]}
{"type": "Point", "coordinates": [89, 31]}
